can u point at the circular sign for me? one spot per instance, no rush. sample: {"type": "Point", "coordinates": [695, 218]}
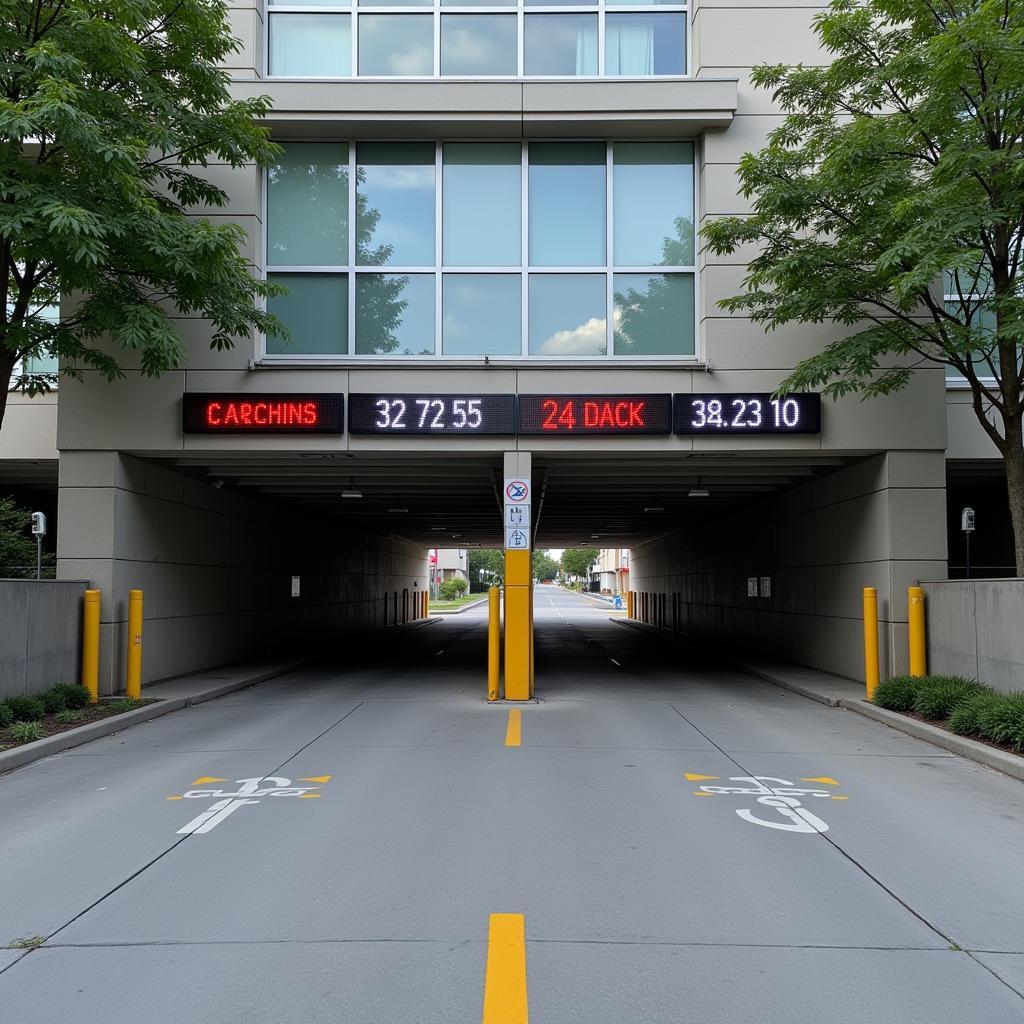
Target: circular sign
{"type": "Point", "coordinates": [517, 490]}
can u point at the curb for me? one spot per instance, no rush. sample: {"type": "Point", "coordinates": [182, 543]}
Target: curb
{"type": "Point", "coordinates": [459, 611]}
{"type": "Point", "coordinates": [223, 689]}
{"type": "Point", "coordinates": [1008, 764]}
{"type": "Point", "coordinates": [29, 752]}
{"type": "Point", "coordinates": [788, 684]}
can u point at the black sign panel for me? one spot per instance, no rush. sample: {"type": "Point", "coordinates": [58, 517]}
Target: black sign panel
{"type": "Point", "coordinates": [748, 413]}
{"type": "Point", "coordinates": [263, 414]}
{"type": "Point", "coordinates": [447, 415]}
{"type": "Point", "coordinates": [561, 415]}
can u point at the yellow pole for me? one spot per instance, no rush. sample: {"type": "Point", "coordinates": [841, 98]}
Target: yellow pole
{"type": "Point", "coordinates": [629, 604]}
{"type": "Point", "coordinates": [133, 684]}
{"type": "Point", "coordinates": [915, 621]}
{"type": "Point", "coordinates": [91, 644]}
{"type": "Point", "coordinates": [493, 641]}
{"type": "Point", "coordinates": [870, 640]}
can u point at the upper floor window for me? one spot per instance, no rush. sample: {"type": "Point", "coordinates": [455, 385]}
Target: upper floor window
{"type": "Point", "coordinates": [546, 249]}
{"type": "Point", "coordinates": [966, 298]}
{"type": "Point", "coordinates": [476, 38]}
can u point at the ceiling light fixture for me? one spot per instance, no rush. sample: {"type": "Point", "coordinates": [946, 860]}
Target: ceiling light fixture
{"type": "Point", "coordinates": [654, 508]}
{"type": "Point", "coordinates": [351, 492]}
{"type": "Point", "coordinates": [698, 491]}
{"type": "Point", "coordinates": [398, 510]}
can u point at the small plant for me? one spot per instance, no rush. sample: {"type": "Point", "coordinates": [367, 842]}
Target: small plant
{"type": "Point", "coordinates": [6, 715]}
{"type": "Point", "coordinates": [966, 717]}
{"type": "Point", "coordinates": [453, 589]}
{"type": "Point", "coordinates": [898, 693]}
{"type": "Point", "coordinates": [68, 716]}
{"type": "Point", "coordinates": [25, 732]}
{"type": "Point", "coordinates": [32, 942]}
{"type": "Point", "coordinates": [26, 709]}
{"type": "Point", "coordinates": [941, 694]}
{"type": "Point", "coordinates": [53, 701]}
{"type": "Point", "coordinates": [1003, 720]}
{"type": "Point", "coordinates": [75, 696]}
{"type": "Point", "coordinates": [124, 704]}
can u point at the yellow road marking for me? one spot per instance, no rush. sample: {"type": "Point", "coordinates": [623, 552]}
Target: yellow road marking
{"type": "Point", "coordinates": [693, 777]}
{"type": "Point", "coordinates": [840, 798]}
{"type": "Point", "coordinates": [204, 779]}
{"type": "Point", "coordinates": [514, 732]}
{"type": "Point", "coordinates": [825, 780]}
{"type": "Point", "coordinates": [317, 778]}
{"type": "Point", "coordinates": [172, 797]}
{"type": "Point", "coordinates": [309, 796]}
{"type": "Point", "coordinates": [505, 999]}
{"type": "Point", "coordinates": [700, 792]}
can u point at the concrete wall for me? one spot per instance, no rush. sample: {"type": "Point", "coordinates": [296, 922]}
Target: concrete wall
{"type": "Point", "coordinates": [41, 634]}
{"type": "Point", "coordinates": [876, 523]}
{"type": "Point", "coordinates": [974, 630]}
{"type": "Point", "coordinates": [215, 567]}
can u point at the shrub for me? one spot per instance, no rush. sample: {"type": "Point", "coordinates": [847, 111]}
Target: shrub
{"type": "Point", "coordinates": [26, 709]}
{"type": "Point", "coordinates": [898, 693]}
{"type": "Point", "coordinates": [53, 701]}
{"type": "Point", "coordinates": [75, 696]}
{"type": "Point", "coordinates": [1003, 719]}
{"type": "Point", "coordinates": [25, 732]}
{"type": "Point", "coordinates": [123, 704]}
{"type": "Point", "coordinates": [6, 715]}
{"type": "Point", "coordinates": [941, 694]}
{"type": "Point", "coordinates": [68, 715]}
{"type": "Point", "coordinates": [966, 716]}
{"type": "Point", "coordinates": [453, 588]}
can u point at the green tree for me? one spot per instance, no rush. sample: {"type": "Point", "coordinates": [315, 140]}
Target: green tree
{"type": "Point", "coordinates": [107, 109]}
{"type": "Point", "coordinates": [895, 179]}
{"type": "Point", "coordinates": [491, 560]}
{"type": "Point", "coordinates": [17, 545]}
{"type": "Point", "coordinates": [544, 566]}
{"type": "Point", "coordinates": [576, 563]}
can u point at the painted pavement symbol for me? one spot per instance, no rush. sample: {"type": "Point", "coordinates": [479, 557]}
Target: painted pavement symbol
{"type": "Point", "coordinates": [779, 794]}
{"type": "Point", "coordinates": [250, 791]}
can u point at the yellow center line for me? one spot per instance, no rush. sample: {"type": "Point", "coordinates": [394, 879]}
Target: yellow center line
{"type": "Point", "coordinates": [505, 999]}
{"type": "Point", "coordinates": [514, 732]}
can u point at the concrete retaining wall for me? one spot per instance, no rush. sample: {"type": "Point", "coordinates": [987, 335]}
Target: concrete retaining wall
{"type": "Point", "coordinates": [975, 628]}
{"type": "Point", "coordinates": [40, 634]}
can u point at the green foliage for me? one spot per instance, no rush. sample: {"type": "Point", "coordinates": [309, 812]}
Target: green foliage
{"type": "Point", "coordinates": [576, 563]}
{"type": "Point", "coordinates": [75, 696]}
{"type": "Point", "coordinates": [6, 715]}
{"type": "Point", "coordinates": [966, 716]}
{"type": "Point", "coordinates": [17, 545]}
{"type": "Point", "coordinates": [544, 566]}
{"type": "Point", "coordinates": [897, 693]}
{"type": "Point", "coordinates": [107, 112]}
{"type": "Point", "coordinates": [25, 732]}
{"type": "Point", "coordinates": [122, 705]}
{"type": "Point", "coordinates": [1003, 720]}
{"type": "Point", "coordinates": [68, 716]}
{"type": "Point", "coordinates": [491, 560]}
{"type": "Point", "coordinates": [939, 695]}
{"type": "Point", "coordinates": [53, 701]}
{"type": "Point", "coordinates": [454, 588]}
{"type": "Point", "coordinates": [25, 709]}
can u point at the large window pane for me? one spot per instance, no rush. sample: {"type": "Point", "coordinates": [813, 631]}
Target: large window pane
{"type": "Point", "coordinates": [308, 3]}
{"type": "Point", "coordinates": [481, 204]}
{"type": "Point", "coordinates": [395, 204]}
{"type": "Point", "coordinates": [652, 185]}
{"type": "Point", "coordinates": [567, 204]}
{"type": "Point", "coordinates": [567, 315]}
{"type": "Point", "coordinates": [645, 44]}
{"type": "Point", "coordinates": [653, 315]}
{"type": "Point", "coordinates": [395, 314]}
{"type": "Point", "coordinates": [315, 311]}
{"type": "Point", "coordinates": [311, 45]}
{"type": "Point", "coordinates": [396, 44]}
{"type": "Point", "coordinates": [561, 44]}
{"type": "Point", "coordinates": [478, 44]}
{"type": "Point", "coordinates": [481, 314]}
{"type": "Point", "coordinates": [307, 206]}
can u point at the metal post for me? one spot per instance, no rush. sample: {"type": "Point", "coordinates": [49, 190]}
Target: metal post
{"type": "Point", "coordinates": [915, 630]}
{"type": "Point", "coordinates": [91, 644]}
{"type": "Point", "coordinates": [967, 556]}
{"type": "Point", "coordinates": [493, 641]}
{"type": "Point", "coordinates": [870, 640]}
{"type": "Point", "coordinates": [39, 558]}
{"type": "Point", "coordinates": [133, 681]}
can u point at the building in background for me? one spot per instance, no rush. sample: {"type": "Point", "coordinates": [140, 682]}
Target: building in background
{"type": "Point", "coordinates": [612, 571]}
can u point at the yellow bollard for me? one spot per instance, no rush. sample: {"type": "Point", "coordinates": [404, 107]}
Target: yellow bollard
{"type": "Point", "coordinates": [870, 640]}
{"type": "Point", "coordinates": [629, 604]}
{"type": "Point", "coordinates": [493, 641]}
{"type": "Point", "coordinates": [915, 623]}
{"type": "Point", "coordinates": [133, 682]}
{"type": "Point", "coordinates": [91, 644]}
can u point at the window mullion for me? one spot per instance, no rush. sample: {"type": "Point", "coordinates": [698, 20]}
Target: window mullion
{"type": "Point", "coordinates": [524, 257]}
{"type": "Point", "coordinates": [438, 240]}
{"type": "Point", "coordinates": [609, 258]}
{"type": "Point", "coordinates": [353, 234]}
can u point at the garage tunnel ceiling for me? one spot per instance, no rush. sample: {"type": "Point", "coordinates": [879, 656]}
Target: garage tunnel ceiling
{"type": "Point", "coordinates": [453, 499]}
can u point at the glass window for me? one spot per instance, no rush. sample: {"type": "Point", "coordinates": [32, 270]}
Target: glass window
{"type": "Point", "coordinates": [645, 44]}
{"type": "Point", "coordinates": [478, 44]}
{"type": "Point", "coordinates": [395, 314]}
{"type": "Point", "coordinates": [315, 45]}
{"type": "Point", "coordinates": [653, 315]}
{"type": "Point", "coordinates": [567, 315]}
{"type": "Point", "coordinates": [561, 44]}
{"type": "Point", "coordinates": [41, 363]}
{"type": "Point", "coordinates": [307, 206]}
{"type": "Point", "coordinates": [478, 3]}
{"type": "Point", "coordinates": [481, 314]}
{"type": "Point", "coordinates": [395, 204]}
{"type": "Point", "coordinates": [567, 204]}
{"type": "Point", "coordinates": [652, 185]}
{"type": "Point", "coordinates": [481, 204]}
{"type": "Point", "coordinates": [394, 3]}
{"type": "Point", "coordinates": [308, 3]}
{"type": "Point", "coordinates": [561, 3]}
{"type": "Point", "coordinates": [396, 44]}
{"type": "Point", "coordinates": [315, 311]}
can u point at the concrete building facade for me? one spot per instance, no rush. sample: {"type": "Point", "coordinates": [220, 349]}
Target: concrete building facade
{"type": "Point", "coordinates": [501, 201]}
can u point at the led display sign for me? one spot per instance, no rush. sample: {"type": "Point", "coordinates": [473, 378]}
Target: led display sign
{"type": "Point", "coordinates": [400, 415]}
{"type": "Point", "coordinates": [595, 414]}
{"type": "Point", "coordinates": [748, 414]}
{"type": "Point", "coordinates": [263, 414]}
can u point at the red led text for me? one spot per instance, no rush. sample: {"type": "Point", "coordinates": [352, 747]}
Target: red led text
{"type": "Point", "coordinates": [262, 414]}
{"type": "Point", "coordinates": [569, 414]}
